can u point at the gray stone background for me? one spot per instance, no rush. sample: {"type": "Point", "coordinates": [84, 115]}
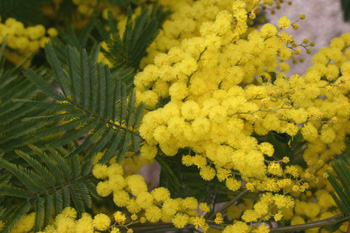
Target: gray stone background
{"type": "Point", "coordinates": [323, 22]}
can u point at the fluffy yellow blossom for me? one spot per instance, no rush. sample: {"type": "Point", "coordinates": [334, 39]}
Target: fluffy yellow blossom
{"type": "Point", "coordinates": [23, 41]}
{"type": "Point", "coordinates": [121, 198]}
{"type": "Point", "coordinates": [153, 214]}
{"type": "Point", "coordinates": [218, 97]}
{"type": "Point", "coordinates": [144, 199]}
{"type": "Point", "coordinates": [100, 171]}
{"type": "Point", "coordinates": [170, 206]}
{"type": "Point", "coordinates": [101, 222]}
{"type": "Point", "coordinates": [136, 184]}
{"type": "Point", "coordinates": [207, 173]}
{"type": "Point", "coordinates": [103, 189]}
{"type": "Point", "coordinates": [69, 212]}
{"type": "Point", "coordinates": [180, 220]}
{"type": "Point", "coordinates": [284, 22]}
{"type": "Point", "coordinates": [160, 194]}
{"type": "Point", "coordinates": [238, 226]}
{"type": "Point", "coordinates": [119, 217]}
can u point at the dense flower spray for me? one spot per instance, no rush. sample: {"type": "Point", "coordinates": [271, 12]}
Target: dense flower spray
{"type": "Point", "coordinates": [215, 85]}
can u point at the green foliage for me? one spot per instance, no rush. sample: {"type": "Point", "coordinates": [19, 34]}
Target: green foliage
{"type": "Point", "coordinates": [341, 185]}
{"type": "Point", "coordinates": [46, 185]}
{"type": "Point", "coordinates": [185, 181]}
{"type": "Point", "coordinates": [13, 131]}
{"type": "Point", "coordinates": [92, 103]}
{"type": "Point", "coordinates": [345, 4]}
{"type": "Point", "coordinates": [180, 180]}
{"type": "Point", "coordinates": [27, 11]}
{"type": "Point", "coordinates": [53, 121]}
{"type": "Point", "coordinates": [285, 145]}
{"type": "Point", "coordinates": [128, 49]}
{"type": "Point", "coordinates": [76, 40]}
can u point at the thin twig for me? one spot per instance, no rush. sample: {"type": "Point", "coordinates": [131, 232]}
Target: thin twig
{"type": "Point", "coordinates": [228, 204]}
{"type": "Point", "coordinates": [322, 223]}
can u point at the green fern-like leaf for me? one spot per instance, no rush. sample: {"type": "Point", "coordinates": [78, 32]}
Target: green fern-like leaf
{"type": "Point", "coordinates": [13, 85]}
{"type": "Point", "coordinates": [92, 103]}
{"type": "Point", "coordinates": [345, 4]}
{"type": "Point", "coordinates": [48, 184]}
{"type": "Point", "coordinates": [129, 49]}
{"type": "Point", "coordinates": [186, 181]}
{"type": "Point", "coordinates": [78, 40]}
{"type": "Point", "coordinates": [341, 186]}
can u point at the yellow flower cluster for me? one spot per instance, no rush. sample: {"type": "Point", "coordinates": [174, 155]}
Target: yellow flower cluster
{"type": "Point", "coordinates": [67, 222]}
{"type": "Point", "coordinates": [132, 193]}
{"type": "Point", "coordinates": [217, 78]}
{"type": "Point", "coordinates": [309, 209]}
{"type": "Point", "coordinates": [212, 85]}
{"type": "Point", "coordinates": [23, 41]}
{"type": "Point", "coordinates": [218, 98]}
{"type": "Point", "coordinates": [187, 18]}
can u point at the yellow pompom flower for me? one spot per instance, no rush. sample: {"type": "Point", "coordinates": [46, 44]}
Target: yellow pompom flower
{"type": "Point", "coordinates": [207, 173]}
{"type": "Point", "coordinates": [266, 148]}
{"type": "Point", "coordinates": [327, 135]}
{"type": "Point", "coordinates": [284, 22]}
{"type": "Point", "coordinates": [262, 229]}
{"type": "Point", "coordinates": [116, 182]}
{"type": "Point", "coordinates": [103, 189]}
{"type": "Point", "coordinates": [178, 91]}
{"type": "Point", "coordinates": [180, 220]}
{"type": "Point", "coordinates": [153, 214]}
{"type": "Point", "coordinates": [190, 110]}
{"type": "Point", "coordinates": [84, 225]}
{"type": "Point", "coordinates": [115, 169]}
{"type": "Point", "coordinates": [121, 198]}
{"type": "Point", "coordinates": [136, 184]}
{"type": "Point", "coordinates": [69, 212]}
{"type": "Point", "coordinates": [52, 32]}
{"type": "Point", "coordinates": [144, 200]}
{"type": "Point", "coordinates": [100, 171]}
{"type": "Point", "coordinates": [250, 216]}
{"type": "Point", "coordinates": [115, 230]}
{"type": "Point", "coordinates": [65, 225]}
{"type": "Point", "coordinates": [132, 206]}
{"type": "Point", "coordinates": [268, 30]}
{"type": "Point", "coordinates": [148, 151]}
{"type": "Point", "coordinates": [162, 134]}
{"type": "Point", "coordinates": [160, 194]}
{"type": "Point", "coordinates": [233, 184]}
{"type": "Point", "coordinates": [119, 217]}
{"type": "Point", "coordinates": [204, 207]}
{"type": "Point", "coordinates": [101, 222]}
{"type": "Point", "coordinates": [170, 207]}
{"type": "Point", "coordinates": [190, 203]}
{"type": "Point", "coordinates": [237, 226]}
{"type": "Point", "coordinates": [275, 169]}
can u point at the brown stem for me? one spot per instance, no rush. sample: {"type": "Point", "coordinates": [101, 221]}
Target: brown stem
{"type": "Point", "coordinates": [228, 204]}
{"type": "Point", "coordinates": [322, 223]}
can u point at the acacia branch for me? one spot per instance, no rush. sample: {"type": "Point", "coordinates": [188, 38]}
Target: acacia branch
{"type": "Point", "coordinates": [328, 222]}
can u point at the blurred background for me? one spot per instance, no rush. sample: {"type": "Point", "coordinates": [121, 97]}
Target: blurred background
{"type": "Point", "coordinates": [324, 21]}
